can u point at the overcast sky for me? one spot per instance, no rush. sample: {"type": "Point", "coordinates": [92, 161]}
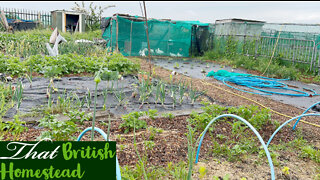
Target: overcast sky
{"type": "Point", "coordinates": [205, 11]}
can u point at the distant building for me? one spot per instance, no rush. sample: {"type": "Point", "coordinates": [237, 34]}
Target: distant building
{"type": "Point", "coordinates": [236, 26]}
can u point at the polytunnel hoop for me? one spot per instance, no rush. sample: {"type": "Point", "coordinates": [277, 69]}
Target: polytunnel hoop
{"type": "Point", "coordinates": [118, 173]}
{"type": "Point", "coordinates": [251, 127]}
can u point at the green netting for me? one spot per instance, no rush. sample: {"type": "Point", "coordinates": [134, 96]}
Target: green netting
{"type": "Point", "coordinates": [166, 38]}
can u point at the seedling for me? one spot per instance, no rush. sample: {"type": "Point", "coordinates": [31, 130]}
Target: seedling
{"type": "Point", "coordinates": [162, 93]}
{"type": "Point", "coordinates": [18, 94]}
{"type": "Point", "coordinates": [88, 99]}
{"type": "Point", "coordinates": [176, 66]}
{"type": "Point", "coordinates": [120, 95]}
{"type": "Point", "coordinates": [193, 94]}
{"type": "Point", "coordinates": [158, 92]}
{"type": "Point", "coordinates": [145, 89]}
{"type": "Point", "coordinates": [168, 115]}
{"type": "Point", "coordinates": [105, 94]}
{"type": "Point", "coordinates": [173, 89]}
{"type": "Point", "coordinates": [182, 90]}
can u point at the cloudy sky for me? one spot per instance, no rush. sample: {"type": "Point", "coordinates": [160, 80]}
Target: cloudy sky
{"type": "Point", "coordinates": [204, 11]}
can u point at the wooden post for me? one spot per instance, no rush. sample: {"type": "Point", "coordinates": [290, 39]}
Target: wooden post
{"type": "Point", "coordinates": [111, 34]}
{"type": "Point", "coordinates": [147, 31]}
{"type": "Point", "coordinates": [39, 19]}
{"type": "Point", "coordinates": [117, 33]}
{"type": "Point", "coordinates": [131, 38]}
{"type": "Point", "coordinates": [4, 20]}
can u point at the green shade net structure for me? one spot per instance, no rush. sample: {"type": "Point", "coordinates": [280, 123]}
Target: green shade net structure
{"type": "Point", "coordinates": [167, 38]}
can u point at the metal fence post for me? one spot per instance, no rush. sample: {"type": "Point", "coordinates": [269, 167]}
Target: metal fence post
{"type": "Point", "coordinates": [313, 51]}
{"type": "Point", "coordinates": [256, 49]}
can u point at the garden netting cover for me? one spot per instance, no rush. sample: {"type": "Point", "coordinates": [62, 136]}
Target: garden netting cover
{"type": "Point", "coordinates": [167, 38]}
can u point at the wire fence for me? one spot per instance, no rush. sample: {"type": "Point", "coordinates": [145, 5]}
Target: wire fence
{"type": "Point", "coordinates": [28, 15]}
{"type": "Point", "coordinates": [297, 43]}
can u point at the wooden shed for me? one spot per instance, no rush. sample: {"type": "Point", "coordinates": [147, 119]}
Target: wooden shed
{"type": "Point", "coordinates": [68, 21]}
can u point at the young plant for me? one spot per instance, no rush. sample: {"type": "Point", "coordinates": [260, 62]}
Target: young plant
{"type": "Point", "coordinates": [158, 92]}
{"type": "Point", "coordinates": [176, 66]}
{"type": "Point", "coordinates": [88, 99]}
{"type": "Point", "coordinates": [18, 94]}
{"type": "Point", "coordinates": [16, 127]}
{"type": "Point", "coordinates": [168, 115]}
{"type": "Point", "coordinates": [152, 113]}
{"type": "Point", "coordinates": [107, 75]}
{"type": "Point", "coordinates": [162, 93]}
{"type": "Point", "coordinates": [77, 116]}
{"type": "Point", "coordinates": [120, 95]}
{"type": "Point", "coordinates": [136, 117]}
{"type": "Point", "coordinates": [145, 89]}
{"type": "Point", "coordinates": [58, 130]}
{"type": "Point", "coordinates": [173, 90]}
{"type": "Point", "coordinates": [105, 94]}
{"type": "Point", "coordinates": [132, 120]}
{"type": "Point", "coordinates": [182, 89]}
{"type": "Point", "coordinates": [193, 94]}
{"type": "Point", "coordinates": [79, 102]}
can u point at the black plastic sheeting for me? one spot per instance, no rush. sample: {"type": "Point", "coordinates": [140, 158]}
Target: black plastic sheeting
{"type": "Point", "coordinates": [36, 96]}
{"type": "Point", "coordinates": [19, 26]}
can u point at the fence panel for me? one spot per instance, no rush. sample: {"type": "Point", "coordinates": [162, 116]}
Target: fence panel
{"type": "Point", "coordinates": [28, 15]}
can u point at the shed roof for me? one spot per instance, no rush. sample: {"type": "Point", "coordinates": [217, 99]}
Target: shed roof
{"type": "Point", "coordinates": [238, 20]}
{"type": "Point", "coordinates": [66, 11]}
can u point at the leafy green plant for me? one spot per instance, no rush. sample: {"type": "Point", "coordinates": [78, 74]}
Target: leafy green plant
{"type": "Point", "coordinates": [15, 127]}
{"type": "Point", "coordinates": [78, 116]}
{"type": "Point", "coordinates": [152, 113]}
{"type": "Point", "coordinates": [58, 130]}
{"type": "Point", "coordinates": [202, 172]}
{"type": "Point", "coordinates": [310, 152]}
{"type": "Point", "coordinates": [132, 120]}
{"type": "Point", "coordinates": [168, 115]}
{"type": "Point", "coordinates": [153, 131]}
{"type": "Point", "coordinates": [176, 66]}
{"type": "Point", "coordinates": [66, 64]}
